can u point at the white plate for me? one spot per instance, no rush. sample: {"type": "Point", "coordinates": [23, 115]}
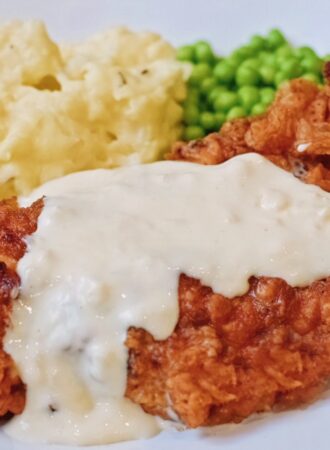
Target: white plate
{"type": "Point", "coordinates": [226, 23]}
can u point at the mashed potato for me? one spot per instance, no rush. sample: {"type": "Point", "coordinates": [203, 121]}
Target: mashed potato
{"type": "Point", "coordinates": [109, 101]}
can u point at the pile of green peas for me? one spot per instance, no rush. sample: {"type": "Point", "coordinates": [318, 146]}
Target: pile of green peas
{"type": "Point", "coordinates": [242, 84]}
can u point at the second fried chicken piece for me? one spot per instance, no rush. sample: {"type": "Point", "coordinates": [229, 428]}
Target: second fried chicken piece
{"type": "Point", "coordinates": [15, 224]}
{"type": "Point", "coordinates": [228, 358]}
{"type": "Point", "coordinates": [294, 134]}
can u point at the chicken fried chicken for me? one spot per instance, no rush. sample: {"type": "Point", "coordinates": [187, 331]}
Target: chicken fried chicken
{"type": "Point", "coordinates": [294, 134]}
{"type": "Point", "coordinates": [229, 358]}
{"type": "Point", "coordinates": [270, 348]}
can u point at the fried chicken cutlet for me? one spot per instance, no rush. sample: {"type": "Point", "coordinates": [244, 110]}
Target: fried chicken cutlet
{"type": "Point", "coordinates": [227, 358]}
{"type": "Point", "coordinates": [294, 134]}
{"type": "Point", "coordinates": [270, 348]}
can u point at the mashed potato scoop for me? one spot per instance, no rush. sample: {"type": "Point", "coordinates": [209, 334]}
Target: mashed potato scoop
{"type": "Point", "coordinates": [110, 101]}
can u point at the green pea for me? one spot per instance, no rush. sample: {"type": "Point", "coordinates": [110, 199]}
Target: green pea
{"type": "Point", "coordinates": [236, 112]}
{"type": "Point", "coordinates": [312, 77]}
{"type": "Point", "coordinates": [218, 59]}
{"type": "Point", "coordinates": [247, 76]}
{"type": "Point", "coordinates": [267, 95]}
{"type": "Point", "coordinates": [204, 52]}
{"type": "Point", "coordinates": [251, 62]}
{"type": "Point", "coordinates": [279, 61]}
{"type": "Point", "coordinates": [199, 72]}
{"type": "Point", "coordinates": [267, 58]}
{"type": "Point", "coordinates": [285, 51]}
{"type": "Point", "coordinates": [234, 62]}
{"type": "Point", "coordinates": [249, 96]}
{"type": "Point", "coordinates": [243, 52]}
{"type": "Point", "coordinates": [267, 74]}
{"type": "Point", "coordinates": [207, 85]}
{"type": "Point", "coordinates": [220, 118]}
{"type": "Point", "coordinates": [192, 95]}
{"type": "Point", "coordinates": [257, 42]}
{"type": "Point", "coordinates": [280, 78]}
{"type": "Point", "coordinates": [258, 109]}
{"type": "Point", "coordinates": [224, 72]}
{"type": "Point", "coordinates": [225, 101]}
{"type": "Point", "coordinates": [311, 64]}
{"type": "Point", "coordinates": [208, 121]}
{"type": "Point", "coordinates": [303, 52]}
{"type": "Point", "coordinates": [186, 53]}
{"type": "Point", "coordinates": [275, 38]}
{"type": "Point", "coordinates": [213, 95]}
{"type": "Point", "coordinates": [193, 132]}
{"type": "Point", "coordinates": [291, 68]}
{"type": "Point", "coordinates": [191, 115]}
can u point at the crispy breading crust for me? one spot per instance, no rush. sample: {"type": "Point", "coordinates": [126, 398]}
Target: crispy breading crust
{"type": "Point", "coordinates": [15, 224]}
{"type": "Point", "coordinates": [229, 358]}
{"type": "Point", "coordinates": [294, 134]}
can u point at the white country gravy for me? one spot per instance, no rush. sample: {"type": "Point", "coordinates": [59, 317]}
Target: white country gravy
{"type": "Point", "coordinates": [107, 254]}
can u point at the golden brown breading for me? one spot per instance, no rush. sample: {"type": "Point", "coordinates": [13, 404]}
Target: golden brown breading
{"type": "Point", "coordinates": [270, 348]}
{"type": "Point", "coordinates": [229, 358]}
{"type": "Point", "coordinates": [294, 134]}
{"type": "Point", "coordinates": [15, 224]}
